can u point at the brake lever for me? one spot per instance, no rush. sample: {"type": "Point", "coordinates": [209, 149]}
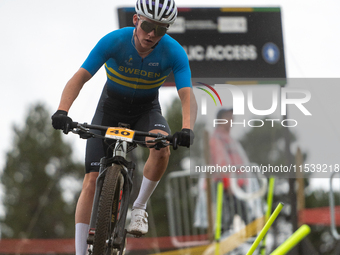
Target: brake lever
{"type": "Point", "coordinates": [159, 145]}
{"type": "Point", "coordinates": [170, 138]}
{"type": "Point", "coordinates": [84, 135]}
{"type": "Point", "coordinates": [83, 132]}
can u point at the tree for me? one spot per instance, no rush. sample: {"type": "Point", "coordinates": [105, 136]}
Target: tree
{"type": "Point", "coordinates": [35, 169]}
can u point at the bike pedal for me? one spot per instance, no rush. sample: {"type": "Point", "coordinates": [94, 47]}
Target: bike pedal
{"type": "Point", "coordinates": [135, 234]}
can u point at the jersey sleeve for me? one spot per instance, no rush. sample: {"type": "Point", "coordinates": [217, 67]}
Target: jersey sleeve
{"type": "Point", "coordinates": [99, 54]}
{"type": "Point", "coordinates": [181, 68]}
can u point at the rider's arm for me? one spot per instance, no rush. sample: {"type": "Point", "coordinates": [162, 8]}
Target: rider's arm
{"type": "Point", "coordinates": [97, 57]}
{"type": "Point", "coordinates": [182, 74]}
{"type": "Point", "coordinates": [189, 107]}
{"type": "Point", "coordinates": [72, 89]}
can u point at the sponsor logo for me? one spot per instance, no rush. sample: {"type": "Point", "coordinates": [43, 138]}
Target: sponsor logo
{"type": "Point", "coordinates": [129, 62]}
{"type": "Point", "coordinates": [153, 64]}
{"type": "Point", "coordinates": [235, 24]}
{"type": "Point", "coordinates": [270, 53]}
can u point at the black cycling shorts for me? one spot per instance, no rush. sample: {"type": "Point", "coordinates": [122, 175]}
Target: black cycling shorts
{"type": "Point", "coordinates": [142, 117]}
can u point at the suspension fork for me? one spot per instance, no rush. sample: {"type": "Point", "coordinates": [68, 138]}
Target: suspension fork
{"type": "Point", "coordinates": [120, 231]}
{"type": "Point", "coordinates": [119, 151]}
{"type": "Point", "coordinates": [99, 186]}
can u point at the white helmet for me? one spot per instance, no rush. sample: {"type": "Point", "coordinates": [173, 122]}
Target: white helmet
{"type": "Point", "coordinates": [163, 11]}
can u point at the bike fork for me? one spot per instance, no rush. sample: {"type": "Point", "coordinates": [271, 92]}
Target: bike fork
{"type": "Point", "coordinates": [99, 185]}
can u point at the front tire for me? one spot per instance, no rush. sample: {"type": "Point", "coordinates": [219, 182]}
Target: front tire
{"type": "Point", "coordinates": [107, 216]}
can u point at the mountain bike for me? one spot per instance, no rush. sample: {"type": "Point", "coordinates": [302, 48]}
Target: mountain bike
{"type": "Point", "coordinates": [107, 234]}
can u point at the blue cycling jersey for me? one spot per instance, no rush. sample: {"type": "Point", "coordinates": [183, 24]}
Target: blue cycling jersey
{"type": "Point", "coordinates": [130, 77]}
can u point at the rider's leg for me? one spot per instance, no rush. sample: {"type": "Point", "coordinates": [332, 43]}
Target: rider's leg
{"type": "Point", "coordinates": [154, 169]}
{"type": "Point", "coordinates": [83, 212]}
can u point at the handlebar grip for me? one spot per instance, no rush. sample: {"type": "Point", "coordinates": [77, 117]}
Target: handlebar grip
{"type": "Point", "coordinates": [74, 125]}
{"type": "Point", "coordinates": [69, 127]}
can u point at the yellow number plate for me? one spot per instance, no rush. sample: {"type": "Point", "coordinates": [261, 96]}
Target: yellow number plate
{"type": "Point", "coordinates": [122, 134]}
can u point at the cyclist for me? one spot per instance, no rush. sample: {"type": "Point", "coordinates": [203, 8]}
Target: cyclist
{"type": "Point", "coordinates": [137, 61]}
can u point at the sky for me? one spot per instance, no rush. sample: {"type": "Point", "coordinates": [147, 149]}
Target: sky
{"type": "Point", "coordinates": [44, 42]}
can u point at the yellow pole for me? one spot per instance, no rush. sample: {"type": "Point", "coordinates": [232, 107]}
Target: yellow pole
{"type": "Point", "coordinates": [269, 209]}
{"type": "Point", "coordinates": [293, 240]}
{"type": "Point", "coordinates": [265, 229]}
{"type": "Point", "coordinates": [219, 209]}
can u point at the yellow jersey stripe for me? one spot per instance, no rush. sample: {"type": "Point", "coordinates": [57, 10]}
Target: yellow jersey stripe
{"type": "Point", "coordinates": [132, 79]}
{"type": "Point", "coordinates": [134, 86]}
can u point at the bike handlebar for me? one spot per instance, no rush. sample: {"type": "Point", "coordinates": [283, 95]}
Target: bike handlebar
{"type": "Point", "coordinates": [84, 132]}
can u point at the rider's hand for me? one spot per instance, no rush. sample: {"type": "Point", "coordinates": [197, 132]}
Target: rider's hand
{"type": "Point", "coordinates": [184, 137]}
{"type": "Point", "coordinates": [60, 120]}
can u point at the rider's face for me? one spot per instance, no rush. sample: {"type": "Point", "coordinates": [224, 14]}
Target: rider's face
{"type": "Point", "coordinates": [147, 39]}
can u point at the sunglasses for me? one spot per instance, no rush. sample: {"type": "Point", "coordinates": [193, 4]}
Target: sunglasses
{"type": "Point", "coordinates": [148, 27]}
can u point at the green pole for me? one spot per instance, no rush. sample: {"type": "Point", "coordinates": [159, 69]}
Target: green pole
{"type": "Point", "coordinates": [265, 229]}
{"type": "Point", "coordinates": [269, 209]}
{"type": "Point", "coordinates": [293, 240]}
{"type": "Point", "coordinates": [218, 224]}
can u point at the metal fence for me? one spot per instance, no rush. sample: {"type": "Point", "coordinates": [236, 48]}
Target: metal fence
{"type": "Point", "coordinates": [188, 206]}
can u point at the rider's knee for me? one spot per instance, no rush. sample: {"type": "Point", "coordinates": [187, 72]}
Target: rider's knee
{"type": "Point", "coordinates": [163, 153]}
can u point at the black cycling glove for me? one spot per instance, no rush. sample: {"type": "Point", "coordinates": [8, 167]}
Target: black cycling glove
{"type": "Point", "coordinates": [184, 137]}
{"type": "Point", "coordinates": [60, 120]}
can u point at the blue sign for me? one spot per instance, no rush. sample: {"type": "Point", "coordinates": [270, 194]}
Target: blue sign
{"type": "Point", "coordinates": [271, 53]}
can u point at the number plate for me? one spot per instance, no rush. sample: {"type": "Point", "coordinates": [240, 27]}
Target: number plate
{"type": "Point", "coordinates": [122, 134]}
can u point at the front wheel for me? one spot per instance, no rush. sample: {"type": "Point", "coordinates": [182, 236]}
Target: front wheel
{"type": "Point", "coordinates": [108, 210]}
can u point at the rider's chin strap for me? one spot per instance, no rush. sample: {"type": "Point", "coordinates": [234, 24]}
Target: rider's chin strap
{"type": "Point", "coordinates": [154, 45]}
